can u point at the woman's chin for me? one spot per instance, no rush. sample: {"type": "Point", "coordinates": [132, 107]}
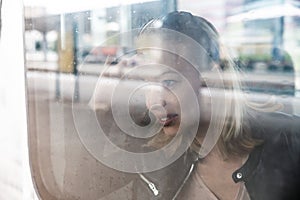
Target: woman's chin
{"type": "Point", "coordinates": [171, 130]}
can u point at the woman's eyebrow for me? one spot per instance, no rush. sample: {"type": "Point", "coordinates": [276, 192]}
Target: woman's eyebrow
{"type": "Point", "coordinates": [167, 72]}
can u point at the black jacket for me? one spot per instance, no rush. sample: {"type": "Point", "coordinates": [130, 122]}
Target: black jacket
{"type": "Point", "coordinates": [271, 172]}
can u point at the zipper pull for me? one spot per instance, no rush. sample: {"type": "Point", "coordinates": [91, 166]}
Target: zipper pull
{"type": "Point", "coordinates": [151, 185]}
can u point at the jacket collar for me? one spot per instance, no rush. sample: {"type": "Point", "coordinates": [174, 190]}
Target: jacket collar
{"type": "Point", "coordinates": [247, 170]}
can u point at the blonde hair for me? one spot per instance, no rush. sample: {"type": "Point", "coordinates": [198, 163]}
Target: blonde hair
{"type": "Point", "coordinates": [235, 136]}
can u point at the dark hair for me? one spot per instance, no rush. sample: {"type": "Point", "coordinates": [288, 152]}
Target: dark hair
{"type": "Point", "coordinates": [197, 28]}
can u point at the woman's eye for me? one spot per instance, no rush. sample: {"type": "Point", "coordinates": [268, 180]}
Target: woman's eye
{"type": "Point", "coordinates": [168, 83]}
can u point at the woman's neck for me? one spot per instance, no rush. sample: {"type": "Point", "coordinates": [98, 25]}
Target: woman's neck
{"type": "Point", "coordinates": [216, 173]}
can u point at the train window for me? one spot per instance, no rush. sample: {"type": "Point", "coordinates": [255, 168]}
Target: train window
{"type": "Point", "coordinates": [163, 99]}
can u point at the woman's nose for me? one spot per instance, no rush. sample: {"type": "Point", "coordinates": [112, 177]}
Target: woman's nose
{"type": "Point", "coordinates": [163, 102]}
{"type": "Point", "coordinates": [159, 102]}
{"type": "Point", "coordinates": [155, 97]}
{"type": "Point", "coordinates": [156, 101]}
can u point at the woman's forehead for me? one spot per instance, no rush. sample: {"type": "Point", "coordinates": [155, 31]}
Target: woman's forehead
{"type": "Point", "coordinates": [174, 52]}
{"type": "Point", "coordinates": [165, 60]}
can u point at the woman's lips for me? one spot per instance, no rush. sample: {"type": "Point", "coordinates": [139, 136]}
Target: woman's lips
{"type": "Point", "coordinates": [168, 120]}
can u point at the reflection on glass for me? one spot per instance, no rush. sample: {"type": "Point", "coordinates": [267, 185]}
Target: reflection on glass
{"type": "Point", "coordinates": [81, 54]}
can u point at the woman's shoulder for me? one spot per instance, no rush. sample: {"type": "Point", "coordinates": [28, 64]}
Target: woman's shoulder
{"type": "Point", "coordinates": [277, 160]}
{"type": "Point", "coordinates": [278, 130]}
{"type": "Point", "coordinates": [267, 125]}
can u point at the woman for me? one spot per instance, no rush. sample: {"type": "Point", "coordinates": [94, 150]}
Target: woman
{"type": "Point", "coordinates": [232, 150]}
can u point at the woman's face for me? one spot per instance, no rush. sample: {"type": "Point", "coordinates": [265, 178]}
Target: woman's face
{"type": "Point", "coordinates": [171, 84]}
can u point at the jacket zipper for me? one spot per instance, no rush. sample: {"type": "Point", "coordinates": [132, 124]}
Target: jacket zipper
{"type": "Point", "coordinates": [154, 189]}
{"type": "Point", "coordinates": [150, 185]}
{"type": "Point", "coordinates": [184, 181]}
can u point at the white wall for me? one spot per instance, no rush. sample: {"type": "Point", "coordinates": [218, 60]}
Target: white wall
{"type": "Point", "coordinates": [15, 182]}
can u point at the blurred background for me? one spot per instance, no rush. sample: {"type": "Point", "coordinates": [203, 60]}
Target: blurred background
{"type": "Point", "coordinates": [263, 36]}
{"type": "Point", "coordinates": [66, 45]}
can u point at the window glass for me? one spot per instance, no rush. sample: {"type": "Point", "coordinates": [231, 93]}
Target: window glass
{"type": "Point", "coordinates": [131, 100]}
